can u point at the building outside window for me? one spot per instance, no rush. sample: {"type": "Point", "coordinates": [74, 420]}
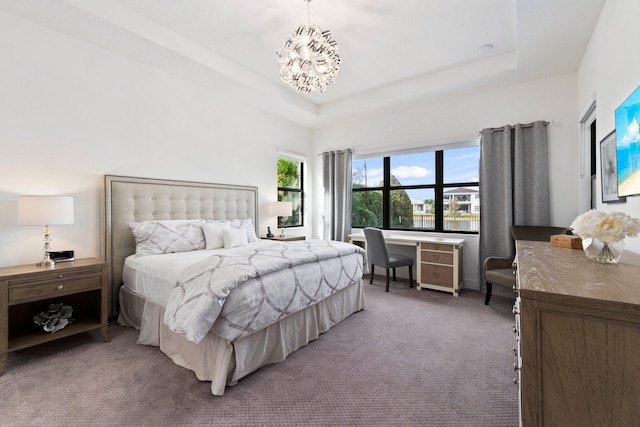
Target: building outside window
{"type": "Point", "coordinates": [423, 191]}
{"type": "Point", "coordinates": [291, 189]}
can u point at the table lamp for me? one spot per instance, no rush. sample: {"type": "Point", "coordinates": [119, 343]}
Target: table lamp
{"type": "Point", "coordinates": [45, 210]}
{"type": "Point", "coordinates": [282, 209]}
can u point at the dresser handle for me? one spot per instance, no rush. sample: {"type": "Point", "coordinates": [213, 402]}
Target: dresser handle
{"type": "Point", "coordinates": [60, 276]}
{"type": "Point", "coordinates": [60, 287]}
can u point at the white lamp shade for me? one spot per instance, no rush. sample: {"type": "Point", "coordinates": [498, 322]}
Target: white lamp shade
{"type": "Point", "coordinates": [281, 208]}
{"type": "Point", "coordinates": [45, 210]}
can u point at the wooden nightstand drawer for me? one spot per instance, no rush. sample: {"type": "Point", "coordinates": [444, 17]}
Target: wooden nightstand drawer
{"type": "Point", "coordinates": [53, 288]}
{"type": "Point", "coordinates": [437, 275]}
{"type": "Point", "coordinates": [437, 257]}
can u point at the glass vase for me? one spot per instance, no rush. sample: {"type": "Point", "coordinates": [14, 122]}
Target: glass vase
{"type": "Point", "coordinates": [604, 252]}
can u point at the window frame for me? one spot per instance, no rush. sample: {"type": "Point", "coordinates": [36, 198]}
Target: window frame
{"type": "Point", "coordinates": [439, 187]}
{"type": "Point", "coordinates": [292, 190]}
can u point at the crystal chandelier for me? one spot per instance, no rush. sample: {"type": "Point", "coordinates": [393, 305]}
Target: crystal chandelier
{"type": "Point", "coordinates": [309, 60]}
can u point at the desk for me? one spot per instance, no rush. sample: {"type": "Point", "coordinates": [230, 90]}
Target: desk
{"type": "Point", "coordinates": [439, 259]}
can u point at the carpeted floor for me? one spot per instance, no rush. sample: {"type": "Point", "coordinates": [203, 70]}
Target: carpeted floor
{"type": "Point", "coordinates": [412, 358]}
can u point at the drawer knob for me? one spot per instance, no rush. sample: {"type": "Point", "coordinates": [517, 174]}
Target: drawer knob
{"type": "Point", "coordinates": [60, 276]}
{"type": "Point", "coordinates": [60, 287]}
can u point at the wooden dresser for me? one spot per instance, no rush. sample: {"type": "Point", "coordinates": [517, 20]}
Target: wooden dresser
{"type": "Point", "coordinates": [578, 338]}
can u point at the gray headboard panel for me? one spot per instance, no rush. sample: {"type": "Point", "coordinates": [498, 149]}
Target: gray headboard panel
{"type": "Point", "coordinates": [129, 199]}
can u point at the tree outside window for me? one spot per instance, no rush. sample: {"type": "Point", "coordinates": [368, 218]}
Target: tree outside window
{"type": "Point", "coordinates": [291, 189]}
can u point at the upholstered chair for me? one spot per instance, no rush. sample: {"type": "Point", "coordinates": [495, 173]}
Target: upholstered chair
{"type": "Point", "coordinates": [379, 255]}
{"type": "Point", "coordinates": [502, 271]}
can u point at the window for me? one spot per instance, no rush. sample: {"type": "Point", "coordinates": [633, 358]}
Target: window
{"type": "Point", "coordinates": [291, 189]}
{"type": "Point", "coordinates": [425, 191]}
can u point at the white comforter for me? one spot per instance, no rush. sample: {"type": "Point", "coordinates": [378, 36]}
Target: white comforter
{"type": "Point", "coordinates": [277, 278]}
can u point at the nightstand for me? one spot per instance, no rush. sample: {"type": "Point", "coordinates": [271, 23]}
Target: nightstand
{"type": "Point", "coordinates": [27, 290]}
{"type": "Point", "coordinates": [286, 238]}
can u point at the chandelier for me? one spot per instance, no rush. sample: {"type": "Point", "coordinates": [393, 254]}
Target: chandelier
{"type": "Point", "coordinates": [309, 60]}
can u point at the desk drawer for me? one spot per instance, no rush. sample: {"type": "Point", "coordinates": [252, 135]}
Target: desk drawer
{"type": "Point", "coordinates": [436, 247]}
{"type": "Point", "coordinates": [48, 289]}
{"type": "Point", "coordinates": [440, 275]}
{"type": "Point", "coordinates": [437, 257]}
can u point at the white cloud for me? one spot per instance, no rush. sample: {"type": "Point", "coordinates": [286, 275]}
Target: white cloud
{"type": "Point", "coordinates": [632, 133]}
{"type": "Point", "coordinates": [375, 176]}
{"type": "Point", "coordinates": [410, 172]}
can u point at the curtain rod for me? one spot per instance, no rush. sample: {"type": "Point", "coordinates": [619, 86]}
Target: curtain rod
{"type": "Point", "coordinates": [346, 150]}
{"type": "Point", "coordinates": [528, 125]}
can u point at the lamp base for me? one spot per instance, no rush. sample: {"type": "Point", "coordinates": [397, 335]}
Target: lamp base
{"type": "Point", "coordinates": [46, 262]}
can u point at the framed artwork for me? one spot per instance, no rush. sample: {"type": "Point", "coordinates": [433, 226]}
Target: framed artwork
{"type": "Point", "coordinates": [628, 145]}
{"type": "Point", "coordinates": [609, 169]}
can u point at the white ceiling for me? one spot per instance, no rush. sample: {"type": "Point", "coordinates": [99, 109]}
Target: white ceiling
{"type": "Point", "coordinates": [394, 52]}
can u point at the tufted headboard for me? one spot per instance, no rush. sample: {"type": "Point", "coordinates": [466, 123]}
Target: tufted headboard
{"type": "Point", "coordinates": [129, 199]}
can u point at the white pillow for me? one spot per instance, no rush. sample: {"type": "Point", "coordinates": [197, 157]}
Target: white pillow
{"type": "Point", "coordinates": [168, 236]}
{"type": "Point", "coordinates": [234, 237]}
{"type": "Point", "coordinates": [213, 233]}
{"type": "Point", "coordinates": [247, 226]}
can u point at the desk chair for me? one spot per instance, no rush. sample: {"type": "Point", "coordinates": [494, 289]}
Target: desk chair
{"type": "Point", "coordinates": [379, 255]}
{"type": "Point", "coordinates": [501, 271]}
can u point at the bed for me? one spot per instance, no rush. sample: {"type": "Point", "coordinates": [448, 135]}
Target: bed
{"type": "Point", "coordinates": [155, 293]}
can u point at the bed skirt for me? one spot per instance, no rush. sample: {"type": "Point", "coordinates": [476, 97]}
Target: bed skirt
{"type": "Point", "coordinates": [223, 362]}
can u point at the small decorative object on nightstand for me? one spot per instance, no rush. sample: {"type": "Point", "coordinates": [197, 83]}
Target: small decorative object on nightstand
{"type": "Point", "coordinates": [27, 291]}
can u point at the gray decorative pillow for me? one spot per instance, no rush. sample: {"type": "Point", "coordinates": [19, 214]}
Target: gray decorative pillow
{"type": "Point", "coordinates": [168, 236]}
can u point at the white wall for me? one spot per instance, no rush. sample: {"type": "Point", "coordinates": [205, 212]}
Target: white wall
{"type": "Point", "coordinates": [611, 69]}
{"type": "Point", "coordinates": [460, 119]}
{"type": "Point", "coordinates": [72, 112]}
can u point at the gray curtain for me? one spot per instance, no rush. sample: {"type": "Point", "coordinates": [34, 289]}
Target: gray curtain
{"type": "Point", "coordinates": [514, 184]}
{"type": "Point", "coordinates": [337, 194]}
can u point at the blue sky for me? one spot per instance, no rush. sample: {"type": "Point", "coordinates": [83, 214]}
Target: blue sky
{"type": "Point", "coordinates": [460, 165]}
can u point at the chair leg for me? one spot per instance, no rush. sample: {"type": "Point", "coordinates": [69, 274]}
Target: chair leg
{"type": "Point", "coordinates": [488, 297]}
{"type": "Point", "coordinates": [411, 276]}
{"type": "Point", "coordinates": [371, 279]}
{"type": "Point", "coordinates": [387, 280]}
{"type": "Point", "coordinates": [394, 274]}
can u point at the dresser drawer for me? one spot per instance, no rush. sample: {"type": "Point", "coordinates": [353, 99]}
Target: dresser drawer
{"type": "Point", "coordinates": [53, 288]}
{"type": "Point", "coordinates": [437, 257]}
{"type": "Point", "coordinates": [440, 275]}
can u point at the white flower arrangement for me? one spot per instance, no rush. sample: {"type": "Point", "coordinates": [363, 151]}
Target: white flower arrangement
{"type": "Point", "coordinates": [608, 227]}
